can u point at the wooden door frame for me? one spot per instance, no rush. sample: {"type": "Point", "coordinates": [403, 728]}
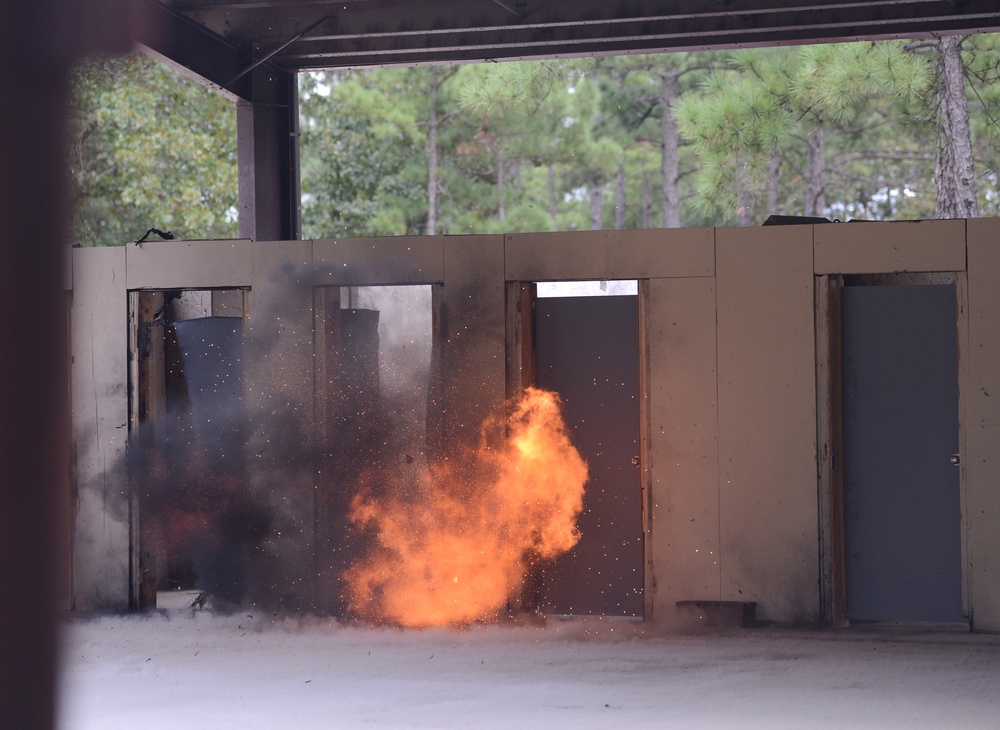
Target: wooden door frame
{"type": "Point", "coordinates": [830, 445]}
{"type": "Point", "coordinates": [520, 374]}
{"type": "Point", "coordinates": [830, 425]}
{"type": "Point", "coordinates": [645, 452]}
{"type": "Point", "coordinates": [146, 405]}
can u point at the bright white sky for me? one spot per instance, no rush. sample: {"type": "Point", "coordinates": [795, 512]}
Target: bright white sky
{"type": "Point", "coordinates": [185, 669]}
{"type": "Point", "coordinates": [587, 288]}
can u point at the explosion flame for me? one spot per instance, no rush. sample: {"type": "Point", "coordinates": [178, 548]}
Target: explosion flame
{"type": "Point", "coordinates": [459, 546]}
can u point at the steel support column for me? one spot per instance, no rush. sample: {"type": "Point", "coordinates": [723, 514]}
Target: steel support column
{"type": "Point", "coordinates": [268, 148]}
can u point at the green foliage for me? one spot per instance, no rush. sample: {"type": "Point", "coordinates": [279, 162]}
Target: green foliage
{"type": "Point", "coordinates": [531, 117]}
{"type": "Point", "coordinates": [841, 79]}
{"type": "Point", "coordinates": [526, 88]}
{"type": "Point", "coordinates": [522, 146]}
{"type": "Point", "coordinates": [766, 103]}
{"type": "Point", "coordinates": [148, 148]}
{"type": "Point", "coordinates": [362, 153]}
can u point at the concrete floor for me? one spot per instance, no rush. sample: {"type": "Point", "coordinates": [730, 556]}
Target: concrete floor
{"type": "Point", "coordinates": [193, 669]}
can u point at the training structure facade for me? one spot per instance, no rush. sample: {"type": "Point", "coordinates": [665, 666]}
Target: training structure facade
{"type": "Point", "coordinates": [759, 476]}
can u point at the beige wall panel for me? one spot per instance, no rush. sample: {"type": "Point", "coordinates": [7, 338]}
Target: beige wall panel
{"type": "Point", "coordinates": [982, 473]}
{"type": "Point", "coordinates": [683, 541]}
{"type": "Point", "coordinates": [876, 248]}
{"type": "Point", "coordinates": [278, 397]}
{"type": "Point", "coordinates": [99, 391]}
{"type": "Point", "coordinates": [554, 256]}
{"type": "Point", "coordinates": [372, 261]}
{"type": "Point", "coordinates": [188, 264]}
{"type": "Point", "coordinates": [661, 253]}
{"type": "Point", "coordinates": [767, 421]}
{"type": "Point", "coordinates": [981, 461]}
{"type": "Point", "coordinates": [473, 319]}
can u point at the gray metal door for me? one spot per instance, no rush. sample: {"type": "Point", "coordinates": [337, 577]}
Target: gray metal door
{"type": "Point", "coordinates": [587, 350]}
{"type": "Point", "coordinates": [900, 399]}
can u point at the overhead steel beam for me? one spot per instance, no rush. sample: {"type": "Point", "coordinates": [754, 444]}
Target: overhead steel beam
{"type": "Point", "coordinates": [335, 56]}
{"type": "Point", "coordinates": [195, 51]}
{"type": "Point", "coordinates": [302, 34]}
{"type": "Point", "coordinates": [270, 22]}
{"type": "Point", "coordinates": [596, 36]}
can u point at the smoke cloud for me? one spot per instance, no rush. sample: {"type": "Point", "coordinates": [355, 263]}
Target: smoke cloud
{"type": "Point", "coordinates": [295, 470]}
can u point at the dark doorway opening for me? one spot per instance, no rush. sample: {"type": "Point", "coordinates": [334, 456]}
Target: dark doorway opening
{"type": "Point", "coordinates": [586, 348]}
{"type": "Point", "coordinates": [191, 516]}
{"type": "Point", "coordinates": [374, 388]}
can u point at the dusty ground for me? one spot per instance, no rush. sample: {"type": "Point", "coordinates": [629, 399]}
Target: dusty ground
{"type": "Point", "coordinates": [188, 669]}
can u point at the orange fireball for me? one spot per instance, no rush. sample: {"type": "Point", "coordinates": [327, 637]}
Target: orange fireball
{"type": "Point", "coordinates": [458, 547]}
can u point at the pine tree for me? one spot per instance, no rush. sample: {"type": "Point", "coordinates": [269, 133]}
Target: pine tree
{"type": "Point", "coordinates": [364, 165]}
{"type": "Point", "coordinates": [787, 103]}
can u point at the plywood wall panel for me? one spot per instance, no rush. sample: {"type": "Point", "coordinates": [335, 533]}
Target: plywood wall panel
{"type": "Point", "coordinates": [99, 393]}
{"type": "Point", "coordinates": [683, 540]}
{"type": "Point", "coordinates": [188, 264]}
{"type": "Point", "coordinates": [867, 248]}
{"type": "Point", "coordinates": [379, 261]}
{"type": "Point", "coordinates": [472, 323]}
{"type": "Point", "coordinates": [661, 253]}
{"type": "Point", "coordinates": [767, 421]}
{"type": "Point", "coordinates": [981, 461]}
{"type": "Point", "coordinates": [580, 255]}
{"type": "Point", "coordinates": [279, 405]}
{"type": "Point", "coordinates": [553, 256]}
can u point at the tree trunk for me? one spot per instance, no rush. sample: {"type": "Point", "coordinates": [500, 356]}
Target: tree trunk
{"type": "Point", "coordinates": [502, 206]}
{"type": "Point", "coordinates": [671, 145]}
{"type": "Point", "coordinates": [620, 197]}
{"type": "Point", "coordinates": [597, 207]}
{"type": "Point", "coordinates": [498, 158]}
{"type": "Point", "coordinates": [773, 170]}
{"type": "Point", "coordinates": [432, 154]}
{"type": "Point", "coordinates": [815, 203]}
{"type": "Point", "coordinates": [744, 215]}
{"type": "Point", "coordinates": [552, 197]}
{"type": "Point", "coordinates": [954, 169]}
{"type": "Point", "coordinates": [647, 201]}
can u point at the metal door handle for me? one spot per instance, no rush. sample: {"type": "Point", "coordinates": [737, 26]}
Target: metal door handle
{"type": "Point", "coordinates": [955, 460]}
{"type": "Point", "coordinates": [635, 461]}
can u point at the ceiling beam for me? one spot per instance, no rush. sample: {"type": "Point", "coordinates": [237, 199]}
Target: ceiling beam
{"type": "Point", "coordinates": [349, 43]}
{"type": "Point", "coordinates": [304, 34]}
{"type": "Point", "coordinates": [195, 52]}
